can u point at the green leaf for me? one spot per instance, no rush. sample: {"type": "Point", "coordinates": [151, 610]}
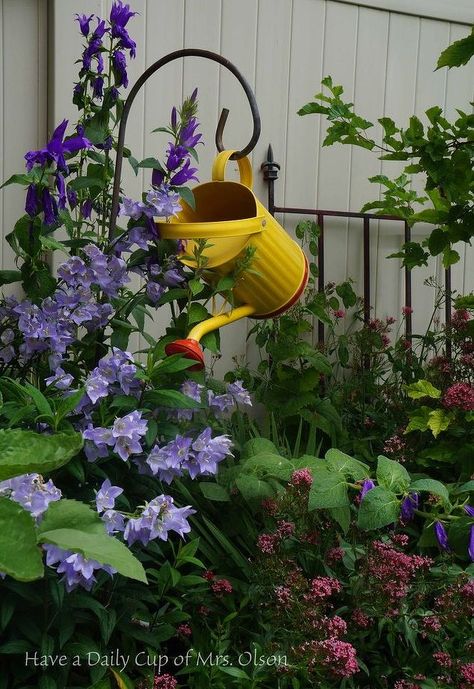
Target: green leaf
{"type": "Point", "coordinates": [39, 400]}
{"type": "Point", "coordinates": [392, 475]}
{"type": "Point", "coordinates": [52, 244]}
{"type": "Point", "coordinates": [187, 195]}
{"type": "Point", "coordinates": [9, 276]}
{"type": "Point", "coordinates": [17, 179]}
{"type": "Point", "coordinates": [105, 549]}
{"type": "Point", "coordinates": [422, 388]}
{"type": "Point", "coordinates": [197, 313]}
{"type": "Point", "coordinates": [20, 556]}
{"type": "Point", "coordinates": [253, 488]}
{"type": "Point", "coordinates": [214, 492]}
{"type": "Point", "coordinates": [71, 514]}
{"type": "Point", "coordinates": [328, 490]}
{"type": "Point", "coordinates": [172, 364]}
{"type": "Point", "coordinates": [450, 257]}
{"type": "Point", "coordinates": [257, 445]}
{"type": "Point", "coordinates": [458, 53]}
{"type": "Point", "coordinates": [347, 294]}
{"type": "Point", "coordinates": [418, 420]}
{"type": "Point", "coordinates": [439, 420]}
{"type": "Point", "coordinates": [466, 487]}
{"type": "Point", "coordinates": [379, 507]}
{"type": "Point", "coordinates": [86, 183]}
{"type": "Point", "coordinates": [342, 515]}
{"type": "Point", "coordinates": [350, 467]}
{"type": "Point", "coordinates": [429, 485]}
{"type": "Point", "coordinates": [23, 452]}
{"type": "Point", "coordinates": [170, 398]}
{"type": "Point", "coordinates": [268, 464]}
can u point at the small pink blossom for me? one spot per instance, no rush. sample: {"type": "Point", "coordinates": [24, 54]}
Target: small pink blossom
{"type": "Point", "coordinates": [184, 630]}
{"type": "Point", "coordinates": [443, 659]}
{"type": "Point", "coordinates": [220, 586]}
{"type": "Point", "coordinates": [301, 477]}
{"type": "Point", "coordinates": [322, 587]}
{"type": "Point", "coordinates": [459, 396]}
{"type": "Point", "coordinates": [467, 672]}
{"type": "Point", "coordinates": [407, 310]}
{"type": "Point", "coordinates": [339, 313]}
{"type": "Point", "coordinates": [165, 682]}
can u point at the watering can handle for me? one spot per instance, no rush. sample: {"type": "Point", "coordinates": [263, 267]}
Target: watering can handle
{"type": "Point", "coordinates": [245, 169]}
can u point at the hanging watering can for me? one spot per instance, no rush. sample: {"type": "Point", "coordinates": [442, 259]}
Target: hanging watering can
{"type": "Point", "coordinates": [229, 215]}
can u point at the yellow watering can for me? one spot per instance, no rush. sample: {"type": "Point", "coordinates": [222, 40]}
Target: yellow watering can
{"type": "Point", "coordinates": [233, 219]}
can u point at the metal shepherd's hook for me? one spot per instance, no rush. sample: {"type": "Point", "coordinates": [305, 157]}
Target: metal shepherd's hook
{"type": "Point", "coordinates": [186, 52]}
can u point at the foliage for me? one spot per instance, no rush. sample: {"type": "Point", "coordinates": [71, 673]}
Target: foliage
{"type": "Point", "coordinates": [439, 150]}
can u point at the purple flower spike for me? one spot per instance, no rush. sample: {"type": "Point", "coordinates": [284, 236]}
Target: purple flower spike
{"type": "Point", "coordinates": [408, 507]}
{"type": "Point", "coordinates": [441, 536]}
{"type": "Point", "coordinates": [366, 486]}
{"type": "Point", "coordinates": [470, 549]}
{"type": "Point", "coordinates": [120, 68]}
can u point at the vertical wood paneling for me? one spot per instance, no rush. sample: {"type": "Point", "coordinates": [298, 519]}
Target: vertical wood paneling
{"type": "Point", "coordinates": [22, 101]}
{"type": "Point", "coordinates": [384, 60]}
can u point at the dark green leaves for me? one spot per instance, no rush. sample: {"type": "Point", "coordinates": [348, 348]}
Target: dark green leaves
{"type": "Point", "coordinates": [379, 507]}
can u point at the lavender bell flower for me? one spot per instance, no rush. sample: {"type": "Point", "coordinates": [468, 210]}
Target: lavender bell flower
{"type": "Point", "coordinates": [154, 291]}
{"type": "Point", "coordinates": [31, 492]}
{"type": "Point", "coordinates": [366, 486]}
{"type": "Point", "coordinates": [77, 570]}
{"type": "Point", "coordinates": [56, 148]}
{"type": "Point", "coordinates": [239, 393]}
{"type": "Point", "coordinates": [119, 17]}
{"type": "Point", "coordinates": [469, 510]}
{"type": "Point", "coordinates": [186, 174]}
{"type": "Point", "coordinates": [106, 495]}
{"type": "Point", "coordinates": [408, 507]}
{"type": "Point", "coordinates": [441, 536]}
{"type": "Point", "coordinates": [470, 549]}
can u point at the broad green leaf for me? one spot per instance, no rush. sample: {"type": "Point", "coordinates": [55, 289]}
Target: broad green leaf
{"type": "Point", "coordinates": [197, 313]}
{"type": "Point", "coordinates": [257, 445]}
{"type": "Point", "coordinates": [71, 514]}
{"type": "Point", "coordinates": [339, 461]}
{"type": "Point", "coordinates": [466, 487]}
{"type": "Point", "coordinates": [439, 420]}
{"type": "Point", "coordinates": [379, 507]}
{"type": "Point", "coordinates": [121, 679]}
{"type": "Point", "coordinates": [328, 490]}
{"type": "Point", "coordinates": [105, 549]}
{"type": "Point", "coordinates": [342, 515]}
{"type": "Point", "coordinates": [24, 452]}
{"type": "Point", "coordinates": [418, 420]}
{"type": "Point", "coordinates": [392, 475]}
{"type": "Point", "coordinates": [20, 556]}
{"type": "Point", "coordinates": [266, 463]}
{"type": "Point", "coordinates": [309, 462]}
{"type": "Point", "coordinates": [253, 488]}
{"type": "Point", "coordinates": [187, 195]}
{"type": "Point", "coordinates": [430, 485]}
{"type": "Point", "coordinates": [214, 492]}
{"type": "Point", "coordinates": [422, 388]}
{"type": "Point", "coordinates": [172, 364]}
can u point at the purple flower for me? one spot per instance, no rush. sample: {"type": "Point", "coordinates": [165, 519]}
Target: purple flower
{"type": "Point", "coordinates": [77, 570]}
{"type": "Point", "coordinates": [154, 291]}
{"type": "Point", "coordinates": [469, 510]}
{"type": "Point", "coordinates": [366, 486]}
{"type": "Point", "coordinates": [114, 522]}
{"type": "Point", "coordinates": [408, 507]}
{"type": "Point", "coordinates": [158, 518]}
{"type": "Point", "coordinates": [86, 209]}
{"type": "Point", "coordinates": [84, 22]}
{"type": "Point", "coordinates": [119, 64]}
{"type": "Point", "coordinates": [132, 209]}
{"type": "Point", "coordinates": [105, 497]}
{"type": "Point", "coordinates": [32, 202]}
{"type": "Point", "coordinates": [98, 87]}
{"type": "Point", "coordinates": [186, 174]}
{"type": "Point", "coordinates": [31, 492]}
{"type": "Point", "coordinates": [96, 387]}
{"type": "Point", "coordinates": [50, 209]}
{"type": "Point", "coordinates": [56, 149]}
{"type": "Point", "coordinates": [239, 393]}
{"type": "Point", "coordinates": [61, 380]}
{"type": "Point", "coordinates": [220, 404]}
{"type": "Point", "coordinates": [173, 278]}
{"type": "Point", "coordinates": [470, 549]}
{"type": "Point", "coordinates": [166, 462]}
{"type": "Point", "coordinates": [209, 452]}
{"type": "Point", "coordinates": [441, 536]}
{"type": "Point", "coordinates": [188, 138]}
{"type": "Point", "coordinates": [163, 203]}
{"type": "Point", "coordinates": [119, 16]}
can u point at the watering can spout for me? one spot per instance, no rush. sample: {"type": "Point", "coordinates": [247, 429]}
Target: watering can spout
{"type": "Point", "coordinates": [190, 347]}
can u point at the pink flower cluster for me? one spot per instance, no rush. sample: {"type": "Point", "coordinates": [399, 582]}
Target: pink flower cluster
{"type": "Point", "coordinates": [405, 684]}
{"type": "Point", "coordinates": [221, 586]}
{"type": "Point", "coordinates": [321, 588]}
{"type": "Point", "coordinates": [165, 682]}
{"type": "Point", "coordinates": [360, 618]}
{"type": "Point", "coordinates": [459, 396]}
{"type": "Point", "coordinates": [391, 572]}
{"type": "Point", "coordinates": [268, 543]}
{"type": "Point", "coordinates": [339, 657]}
{"type": "Point", "coordinates": [301, 477]}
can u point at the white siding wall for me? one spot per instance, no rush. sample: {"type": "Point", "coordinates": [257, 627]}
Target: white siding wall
{"type": "Point", "coordinates": [23, 101]}
{"type": "Point", "coordinates": [384, 59]}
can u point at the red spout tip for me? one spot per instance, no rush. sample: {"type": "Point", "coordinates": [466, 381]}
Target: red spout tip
{"type": "Point", "coordinates": [190, 349]}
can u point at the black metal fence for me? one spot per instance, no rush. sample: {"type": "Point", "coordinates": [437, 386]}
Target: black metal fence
{"type": "Point", "coordinates": [270, 173]}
